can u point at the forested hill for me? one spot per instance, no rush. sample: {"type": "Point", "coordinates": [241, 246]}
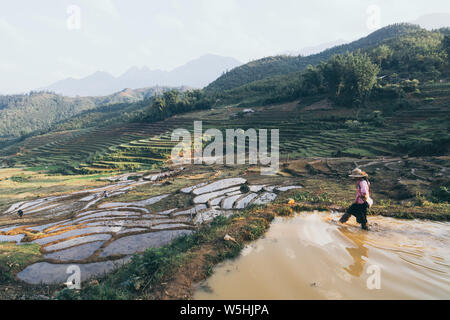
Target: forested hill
{"type": "Point", "coordinates": [279, 65]}
{"type": "Point", "coordinates": [38, 111]}
{"type": "Point", "coordinates": [422, 56]}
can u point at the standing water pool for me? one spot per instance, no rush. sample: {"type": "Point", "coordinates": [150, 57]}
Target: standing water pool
{"type": "Point", "coordinates": [311, 256]}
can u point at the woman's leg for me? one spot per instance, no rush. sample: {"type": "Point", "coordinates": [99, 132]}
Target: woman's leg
{"type": "Point", "coordinates": [364, 216]}
{"type": "Point", "coordinates": [360, 213]}
{"type": "Point", "coordinates": [351, 210]}
{"type": "Point", "coordinates": [345, 217]}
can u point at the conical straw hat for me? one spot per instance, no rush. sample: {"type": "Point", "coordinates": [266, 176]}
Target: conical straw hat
{"type": "Point", "coordinates": [358, 173]}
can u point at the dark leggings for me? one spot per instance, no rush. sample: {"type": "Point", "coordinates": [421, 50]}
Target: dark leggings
{"type": "Point", "coordinates": [359, 210]}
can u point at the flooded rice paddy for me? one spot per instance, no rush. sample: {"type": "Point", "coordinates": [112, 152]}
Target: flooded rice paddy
{"type": "Point", "coordinates": [312, 256]}
{"type": "Point", "coordinates": [94, 230]}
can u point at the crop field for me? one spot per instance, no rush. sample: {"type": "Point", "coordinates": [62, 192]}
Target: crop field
{"type": "Point", "coordinates": [92, 150]}
{"type": "Point", "coordinates": [307, 129]}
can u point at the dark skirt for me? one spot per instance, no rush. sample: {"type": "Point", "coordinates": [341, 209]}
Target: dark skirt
{"type": "Point", "coordinates": [359, 210]}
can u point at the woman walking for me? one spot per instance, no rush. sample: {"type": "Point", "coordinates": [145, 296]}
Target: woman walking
{"type": "Point", "coordinates": [362, 201]}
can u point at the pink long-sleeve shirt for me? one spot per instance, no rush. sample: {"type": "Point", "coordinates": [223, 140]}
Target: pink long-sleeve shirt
{"type": "Point", "coordinates": [362, 188]}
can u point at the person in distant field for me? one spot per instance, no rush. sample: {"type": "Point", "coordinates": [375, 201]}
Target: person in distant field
{"type": "Point", "coordinates": [362, 201]}
{"type": "Point", "coordinates": [20, 213]}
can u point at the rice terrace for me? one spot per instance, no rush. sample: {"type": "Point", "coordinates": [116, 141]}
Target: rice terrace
{"type": "Point", "coordinates": [93, 205]}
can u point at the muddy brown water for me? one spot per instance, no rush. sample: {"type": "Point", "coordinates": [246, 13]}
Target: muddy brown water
{"type": "Point", "coordinates": [311, 256]}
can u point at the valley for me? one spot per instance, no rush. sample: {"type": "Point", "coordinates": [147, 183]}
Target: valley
{"type": "Point", "coordinates": [87, 183]}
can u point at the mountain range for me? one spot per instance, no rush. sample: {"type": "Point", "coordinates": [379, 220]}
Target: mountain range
{"type": "Point", "coordinates": [260, 82]}
{"type": "Point", "coordinates": [196, 73]}
{"type": "Point", "coordinates": [433, 20]}
{"type": "Point", "coordinates": [307, 51]}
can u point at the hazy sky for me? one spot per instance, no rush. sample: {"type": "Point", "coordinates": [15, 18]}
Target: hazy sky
{"type": "Point", "coordinates": [48, 40]}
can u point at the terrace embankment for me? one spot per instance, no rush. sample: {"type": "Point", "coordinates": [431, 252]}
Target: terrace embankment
{"type": "Point", "coordinates": [311, 127]}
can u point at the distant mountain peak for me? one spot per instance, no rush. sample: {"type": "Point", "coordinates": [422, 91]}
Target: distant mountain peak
{"type": "Point", "coordinates": [433, 20]}
{"type": "Point", "coordinates": [137, 69]}
{"type": "Point", "coordinates": [307, 51]}
{"type": "Point", "coordinates": [196, 73]}
{"type": "Point", "coordinates": [100, 74]}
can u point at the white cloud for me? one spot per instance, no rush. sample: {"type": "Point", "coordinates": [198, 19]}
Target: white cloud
{"type": "Point", "coordinates": [8, 67]}
{"type": "Point", "coordinates": [73, 64]}
{"type": "Point", "coordinates": [176, 4]}
{"type": "Point", "coordinates": [169, 21]}
{"type": "Point", "coordinates": [11, 33]}
{"type": "Point", "coordinates": [106, 6]}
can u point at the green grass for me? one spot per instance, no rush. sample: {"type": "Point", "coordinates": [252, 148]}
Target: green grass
{"type": "Point", "coordinates": [14, 258]}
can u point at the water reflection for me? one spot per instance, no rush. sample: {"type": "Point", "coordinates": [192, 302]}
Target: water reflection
{"type": "Point", "coordinates": [311, 256]}
{"type": "Point", "coordinates": [359, 254]}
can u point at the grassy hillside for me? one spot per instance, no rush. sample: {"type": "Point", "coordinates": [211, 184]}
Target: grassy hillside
{"type": "Point", "coordinates": [417, 54]}
{"type": "Point", "coordinates": [279, 65]}
{"type": "Point", "coordinates": [24, 114]}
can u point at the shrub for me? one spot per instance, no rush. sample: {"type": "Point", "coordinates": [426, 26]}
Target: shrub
{"type": "Point", "coordinates": [410, 85]}
{"type": "Point", "coordinates": [421, 200]}
{"type": "Point", "coordinates": [440, 194]}
{"type": "Point", "coordinates": [244, 188]}
{"type": "Point", "coordinates": [285, 211]}
{"type": "Point", "coordinates": [5, 275]}
{"type": "Point", "coordinates": [254, 230]}
{"type": "Point", "coordinates": [308, 197]}
{"type": "Point", "coordinates": [353, 125]}
{"type": "Point", "coordinates": [20, 178]}
{"type": "Point", "coordinates": [439, 145]}
{"type": "Point", "coordinates": [389, 91]}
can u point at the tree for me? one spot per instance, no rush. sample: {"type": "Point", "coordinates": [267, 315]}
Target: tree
{"type": "Point", "coordinates": [446, 45]}
{"type": "Point", "coordinates": [312, 81]}
{"type": "Point", "coordinates": [350, 78]}
{"type": "Point", "coordinates": [172, 102]}
{"type": "Point", "coordinates": [382, 53]}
